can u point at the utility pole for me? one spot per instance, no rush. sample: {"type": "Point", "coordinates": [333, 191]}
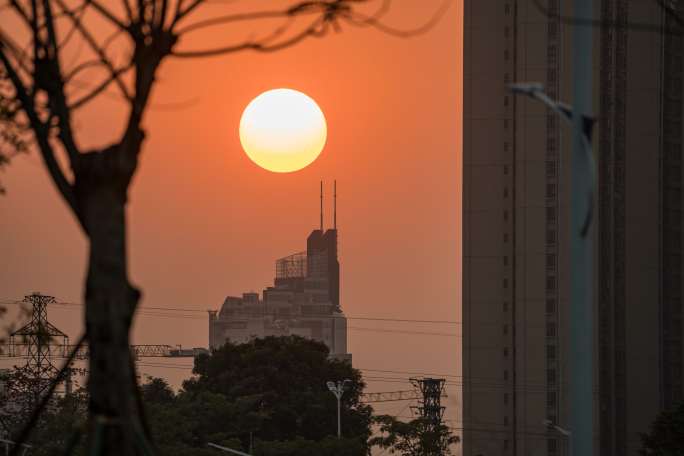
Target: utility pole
{"type": "Point", "coordinates": [338, 390]}
{"type": "Point", "coordinates": [581, 292]}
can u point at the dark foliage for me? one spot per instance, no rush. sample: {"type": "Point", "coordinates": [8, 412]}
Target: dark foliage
{"type": "Point", "coordinates": [419, 437]}
{"type": "Point", "coordinates": [270, 391]}
{"type": "Point", "coordinates": [666, 436]}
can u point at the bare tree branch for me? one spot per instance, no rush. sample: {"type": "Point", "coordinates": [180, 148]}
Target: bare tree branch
{"type": "Point", "coordinates": [104, 12]}
{"type": "Point", "coordinates": [359, 19]}
{"type": "Point", "coordinates": [55, 87]}
{"type": "Point", "coordinates": [72, 31]}
{"type": "Point", "coordinates": [114, 74]}
{"type": "Point", "coordinates": [20, 55]}
{"type": "Point", "coordinates": [181, 13]}
{"type": "Point", "coordinates": [316, 29]}
{"type": "Point", "coordinates": [41, 133]}
{"type": "Point", "coordinates": [162, 13]}
{"type": "Point", "coordinates": [21, 11]}
{"type": "Point", "coordinates": [231, 18]}
{"type": "Point", "coordinates": [97, 90]}
{"type": "Point", "coordinates": [329, 11]}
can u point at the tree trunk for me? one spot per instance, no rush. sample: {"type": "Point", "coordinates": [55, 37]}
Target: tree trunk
{"type": "Point", "coordinates": [101, 187]}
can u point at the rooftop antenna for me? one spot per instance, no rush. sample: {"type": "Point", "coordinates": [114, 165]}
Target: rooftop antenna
{"type": "Point", "coordinates": [321, 206]}
{"type": "Point", "coordinates": [335, 204]}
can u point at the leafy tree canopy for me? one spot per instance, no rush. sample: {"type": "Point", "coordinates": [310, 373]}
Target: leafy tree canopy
{"type": "Point", "coordinates": [419, 437]}
{"type": "Point", "coordinates": [666, 436]}
{"type": "Point", "coordinates": [271, 391]}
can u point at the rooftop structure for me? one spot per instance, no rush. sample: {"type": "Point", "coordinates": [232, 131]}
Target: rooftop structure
{"type": "Point", "coordinates": [304, 300]}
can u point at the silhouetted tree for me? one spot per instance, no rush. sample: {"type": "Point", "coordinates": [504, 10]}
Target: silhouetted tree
{"type": "Point", "coordinates": [419, 437]}
{"type": "Point", "coordinates": [271, 390]}
{"type": "Point", "coordinates": [666, 436]}
{"type": "Point", "coordinates": [124, 44]}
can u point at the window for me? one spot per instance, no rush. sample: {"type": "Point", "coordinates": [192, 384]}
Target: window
{"type": "Point", "coordinates": [550, 236]}
{"type": "Point", "coordinates": [550, 261]}
{"type": "Point", "coordinates": [551, 52]}
{"type": "Point", "coordinates": [550, 214]}
{"type": "Point", "coordinates": [550, 283]}
{"type": "Point", "coordinates": [550, 329]}
{"type": "Point", "coordinates": [551, 445]}
{"type": "Point", "coordinates": [550, 190]}
{"type": "Point", "coordinates": [551, 399]}
{"type": "Point", "coordinates": [551, 376]}
{"type": "Point", "coordinates": [505, 192]}
{"type": "Point", "coordinates": [505, 306]}
{"type": "Point", "coordinates": [550, 352]}
{"type": "Point", "coordinates": [550, 306]}
{"type": "Point", "coordinates": [506, 237]}
{"type": "Point", "coordinates": [505, 398]}
{"type": "Point", "coordinates": [505, 215]}
{"type": "Point", "coordinates": [505, 375]}
{"type": "Point", "coordinates": [505, 352]}
{"type": "Point", "coordinates": [505, 283]}
{"type": "Point", "coordinates": [505, 260]}
{"type": "Point", "coordinates": [505, 421]}
{"type": "Point", "coordinates": [505, 329]}
{"type": "Point", "coordinates": [551, 122]}
{"type": "Point", "coordinates": [550, 169]}
{"type": "Point", "coordinates": [505, 168]}
{"type": "Point", "coordinates": [505, 444]}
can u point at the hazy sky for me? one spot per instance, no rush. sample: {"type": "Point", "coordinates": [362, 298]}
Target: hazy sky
{"type": "Point", "coordinates": [205, 222]}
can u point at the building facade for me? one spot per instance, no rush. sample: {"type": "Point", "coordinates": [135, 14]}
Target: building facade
{"type": "Point", "coordinates": [304, 300]}
{"type": "Point", "coordinates": [515, 218]}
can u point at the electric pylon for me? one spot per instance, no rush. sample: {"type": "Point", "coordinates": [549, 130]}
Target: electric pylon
{"type": "Point", "coordinates": [430, 407]}
{"type": "Point", "coordinates": [34, 377]}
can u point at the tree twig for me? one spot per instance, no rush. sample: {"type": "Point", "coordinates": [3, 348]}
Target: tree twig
{"type": "Point", "coordinates": [316, 29]}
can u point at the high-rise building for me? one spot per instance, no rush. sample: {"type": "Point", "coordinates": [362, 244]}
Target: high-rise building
{"type": "Point", "coordinates": [516, 276]}
{"type": "Point", "coordinates": [304, 300]}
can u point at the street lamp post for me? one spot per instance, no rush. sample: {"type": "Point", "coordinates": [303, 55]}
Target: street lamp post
{"type": "Point", "coordinates": [581, 299]}
{"type": "Point", "coordinates": [338, 390]}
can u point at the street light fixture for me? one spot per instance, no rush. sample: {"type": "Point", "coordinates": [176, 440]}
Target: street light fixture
{"type": "Point", "coordinates": [581, 289]}
{"type": "Point", "coordinates": [338, 390]}
{"type": "Point", "coordinates": [228, 450]}
{"type": "Point", "coordinates": [550, 425]}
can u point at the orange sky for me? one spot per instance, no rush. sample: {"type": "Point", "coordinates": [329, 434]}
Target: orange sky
{"type": "Point", "coordinates": [205, 221]}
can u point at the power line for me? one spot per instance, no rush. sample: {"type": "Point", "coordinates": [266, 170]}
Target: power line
{"type": "Point", "coordinates": [151, 310]}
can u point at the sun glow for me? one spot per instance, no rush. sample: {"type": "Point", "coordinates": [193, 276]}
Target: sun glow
{"type": "Point", "coordinates": [283, 130]}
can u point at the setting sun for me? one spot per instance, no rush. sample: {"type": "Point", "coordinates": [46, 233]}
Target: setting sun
{"type": "Point", "coordinates": [283, 130]}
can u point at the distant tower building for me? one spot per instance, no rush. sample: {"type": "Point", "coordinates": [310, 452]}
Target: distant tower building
{"type": "Point", "coordinates": [304, 300]}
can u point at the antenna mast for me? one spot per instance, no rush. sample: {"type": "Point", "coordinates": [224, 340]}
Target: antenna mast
{"type": "Point", "coordinates": [335, 204]}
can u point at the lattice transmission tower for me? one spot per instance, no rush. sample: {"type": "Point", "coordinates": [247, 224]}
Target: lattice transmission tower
{"type": "Point", "coordinates": [431, 410]}
{"type": "Point", "coordinates": [38, 337]}
{"type": "Point", "coordinates": [430, 406]}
